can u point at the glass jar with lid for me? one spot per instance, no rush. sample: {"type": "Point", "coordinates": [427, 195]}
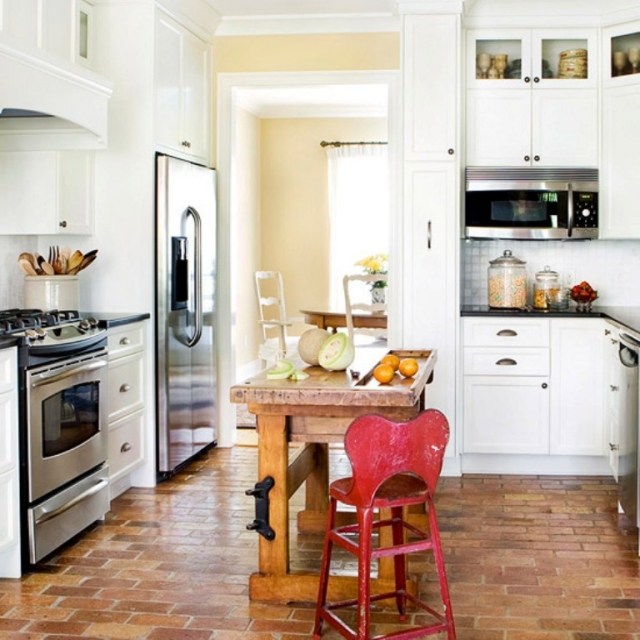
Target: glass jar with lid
{"type": "Point", "coordinates": [545, 286]}
{"type": "Point", "coordinates": [507, 282]}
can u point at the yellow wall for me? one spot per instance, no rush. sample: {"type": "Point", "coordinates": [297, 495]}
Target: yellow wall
{"type": "Point", "coordinates": [295, 208]}
{"type": "Point", "coordinates": [292, 209]}
{"type": "Point", "coordinates": [313, 52]}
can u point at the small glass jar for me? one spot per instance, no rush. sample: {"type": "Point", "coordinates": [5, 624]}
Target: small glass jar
{"type": "Point", "coordinates": [545, 286]}
{"type": "Point", "coordinates": [507, 282]}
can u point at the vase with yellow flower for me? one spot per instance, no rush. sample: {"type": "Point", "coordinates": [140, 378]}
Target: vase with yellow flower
{"type": "Point", "coordinates": [376, 264]}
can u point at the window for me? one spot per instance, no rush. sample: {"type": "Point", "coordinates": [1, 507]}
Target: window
{"type": "Point", "coordinates": [359, 209]}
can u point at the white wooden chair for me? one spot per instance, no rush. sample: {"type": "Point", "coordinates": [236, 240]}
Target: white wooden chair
{"type": "Point", "coordinates": [357, 299]}
{"type": "Point", "coordinates": [273, 315]}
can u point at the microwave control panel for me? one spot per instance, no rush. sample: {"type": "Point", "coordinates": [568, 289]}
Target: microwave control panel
{"type": "Point", "coordinates": [585, 210]}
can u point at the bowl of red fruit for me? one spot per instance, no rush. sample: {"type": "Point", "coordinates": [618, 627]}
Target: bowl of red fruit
{"type": "Point", "coordinates": [583, 295]}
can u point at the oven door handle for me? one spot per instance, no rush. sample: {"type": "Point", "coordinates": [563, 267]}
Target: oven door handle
{"type": "Point", "coordinates": [70, 372]}
{"type": "Point", "coordinates": [91, 491]}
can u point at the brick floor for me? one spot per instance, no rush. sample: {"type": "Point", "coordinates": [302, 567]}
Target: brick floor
{"type": "Point", "coordinates": [529, 558]}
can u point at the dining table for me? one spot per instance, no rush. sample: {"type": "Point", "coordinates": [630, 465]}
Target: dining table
{"type": "Point", "coordinates": [332, 320]}
{"type": "Point", "coordinates": [296, 421]}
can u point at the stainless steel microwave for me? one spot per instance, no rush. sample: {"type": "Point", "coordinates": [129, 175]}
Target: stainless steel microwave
{"type": "Point", "coordinates": [531, 203]}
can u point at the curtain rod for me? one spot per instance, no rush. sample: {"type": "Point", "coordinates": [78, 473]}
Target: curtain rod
{"type": "Point", "coordinates": [324, 143]}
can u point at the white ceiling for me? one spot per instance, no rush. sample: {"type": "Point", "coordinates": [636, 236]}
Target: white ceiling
{"type": "Point", "coordinates": [318, 101]}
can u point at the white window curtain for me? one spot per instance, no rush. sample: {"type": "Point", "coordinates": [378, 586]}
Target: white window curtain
{"type": "Point", "coordinates": [358, 209]}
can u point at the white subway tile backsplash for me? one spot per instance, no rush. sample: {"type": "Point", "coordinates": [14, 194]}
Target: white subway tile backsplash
{"type": "Point", "coordinates": [12, 283]}
{"type": "Point", "coordinates": [610, 266]}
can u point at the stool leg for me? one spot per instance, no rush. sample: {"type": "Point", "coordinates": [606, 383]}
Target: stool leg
{"type": "Point", "coordinates": [399, 561]}
{"type": "Point", "coordinates": [323, 583]}
{"type": "Point", "coordinates": [365, 524]}
{"type": "Point", "coordinates": [440, 568]}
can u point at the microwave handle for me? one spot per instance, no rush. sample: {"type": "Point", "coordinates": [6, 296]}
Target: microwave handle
{"type": "Point", "coordinates": [570, 211]}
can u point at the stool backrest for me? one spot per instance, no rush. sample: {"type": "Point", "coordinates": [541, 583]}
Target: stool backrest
{"type": "Point", "coordinates": [379, 449]}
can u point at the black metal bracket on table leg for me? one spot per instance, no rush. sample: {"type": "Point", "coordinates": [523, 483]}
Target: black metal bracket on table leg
{"type": "Point", "coordinates": [261, 493]}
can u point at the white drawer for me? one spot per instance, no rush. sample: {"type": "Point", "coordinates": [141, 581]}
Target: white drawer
{"type": "Point", "coordinates": [125, 385]}
{"type": "Point", "coordinates": [490, 361]}
{"type": "Point", "coordinates": [507, 332]}
{"type": "Point", "coordinates": [125, 444]}
{"type": "Point", "coordinates": [124, 340]}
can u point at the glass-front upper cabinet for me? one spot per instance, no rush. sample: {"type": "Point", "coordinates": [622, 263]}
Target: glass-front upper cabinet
{"type": "Point", "coordinates": [621, 55]}
{"type": "Point", "coordinates": [516, 58]}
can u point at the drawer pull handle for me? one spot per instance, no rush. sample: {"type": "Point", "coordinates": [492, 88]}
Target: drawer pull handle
{"type": "Point", "coordinates": [506, 362]}
{"type": "Point", "coordinates": [125, 387]}
{"type": "Point", "coordinates": [509, 333]}
{"type": "Point", "coordinates": [125, 447]}
{"type": "Point", "coordinates": [125, 341]}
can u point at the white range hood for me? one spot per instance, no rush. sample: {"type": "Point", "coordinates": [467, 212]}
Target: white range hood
{"type": "Point", "coordinates": [72, 102]}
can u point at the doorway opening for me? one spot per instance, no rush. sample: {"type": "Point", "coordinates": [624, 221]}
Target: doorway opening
{"type": "Point", "coordinates": [272, 217]}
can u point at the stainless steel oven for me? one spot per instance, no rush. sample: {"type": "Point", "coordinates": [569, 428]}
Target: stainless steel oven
{"type": "Point", "coordinates": [67, 475]}
{"type": "Point", "coordinates": [64, 481]}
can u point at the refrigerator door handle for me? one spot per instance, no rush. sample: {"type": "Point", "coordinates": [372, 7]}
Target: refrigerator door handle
{"type": "Point", "coordinates": [197, 249]}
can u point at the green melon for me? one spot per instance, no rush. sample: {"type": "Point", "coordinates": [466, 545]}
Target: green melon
{"type": "Point", "coordinates": [337, 352]}
{"type": "Point", "coordinates": [310, 343]}
{"type": "Point", "coordinates": [280, 371]}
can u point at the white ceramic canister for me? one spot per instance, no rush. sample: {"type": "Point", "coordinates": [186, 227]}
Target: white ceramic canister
{"type": "Point", "coordinates": [51, 293]}
{"type": "Point", "coordinates": [507, 280]}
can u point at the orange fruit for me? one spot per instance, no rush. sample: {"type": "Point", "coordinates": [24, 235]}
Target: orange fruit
{"type": "Point", "coordinates": [384, 373]}
{"type": "Point", "coordinates": [408, 367]}
{"type": "Point", "coordinates": [392, 360]}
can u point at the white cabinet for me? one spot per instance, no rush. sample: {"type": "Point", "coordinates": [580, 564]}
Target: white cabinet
{"type": "Point", "coordinates": [430, 210]}
{"type": "Point", "coordinates": [10, 566]}
{"type": "Point", "coordinates": [61, 28]}
{"type": "Point", "coordinates": [577, 375]}
{"type": "Point", "coordinates": [182, 86]}
{"type": "Point", "coordinates": [126, 402]}
{"type": "Point", "coordinates": [506, 386]}
{"type": "Point", "coordinates": [533, 386]}
{"type": "Point", "coordinates": [533, 116]}
{"type": "Point", "coordinates": [46, 192]}
{"type": "Point", "coordinates": [619, 184]}
{"type": "Point", "coordinates": [431, 72]}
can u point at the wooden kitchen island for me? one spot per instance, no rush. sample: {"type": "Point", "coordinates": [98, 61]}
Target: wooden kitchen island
{"type": "Point", "coordinates": [317, 412]}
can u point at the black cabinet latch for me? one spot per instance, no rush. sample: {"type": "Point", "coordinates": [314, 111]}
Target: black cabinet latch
{"type": "Point", "coordinates": [261, 493]}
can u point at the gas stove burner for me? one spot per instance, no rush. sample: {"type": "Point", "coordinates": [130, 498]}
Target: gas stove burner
{"type": "Point", "coordinates": [20, 320]}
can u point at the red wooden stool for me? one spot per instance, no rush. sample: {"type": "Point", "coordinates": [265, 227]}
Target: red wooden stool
{"type": "Point", "coordinates": [394, 465]}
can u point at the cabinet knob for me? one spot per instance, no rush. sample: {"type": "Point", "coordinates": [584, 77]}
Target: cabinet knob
{"type": "Point", "coordinates": [527, 158]}
{"type": "Point", "coordinates": [527, 79]}
{"type": "Point", "coordinates": [63, 224]}
{"type": "Point", "coordinates": [613, 447]}
{"type": "Point", "coordinates": [536, 158]}
{"type": "Point", "coordinates": [613, 387]}
{"type": "Point", "coordinates": [607, 332]}
{"type": "Point", "coordinates": [536, 79]}
{"type": "Point", "coordinates": [125, 447]}
{"type": "Point", "coordinates": [450, 152]}
{"type": "Point", "coordinates": [544, 385]}
{"type": "Point", "coordinates": [125, 341]}
{"type": "Point", "coordinates": [125, 387]}
{"type": "Point", "coordinates": [186, 144]}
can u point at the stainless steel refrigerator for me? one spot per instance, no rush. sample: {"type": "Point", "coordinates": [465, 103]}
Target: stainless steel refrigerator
{"type": "Point", "coordinates": [185, 311]}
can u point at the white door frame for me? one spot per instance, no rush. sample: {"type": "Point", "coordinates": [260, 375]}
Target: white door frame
{"type": "Point", "coordinates": [228, 83]}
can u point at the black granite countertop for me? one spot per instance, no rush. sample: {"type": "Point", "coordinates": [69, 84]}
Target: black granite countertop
{"type": "Point", "coordinates": [108, 320]}
{"type": "Point", "coordinates": [626, 316]}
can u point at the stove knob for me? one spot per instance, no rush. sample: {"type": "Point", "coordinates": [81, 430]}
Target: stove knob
{"type": "Point", "coordinates": [84, 325]}
{"type": "Point", "coordinates": [93, 322]}
{"type": "Point", "coordinates": [40, 333]}
{"type": "Point", "coordinates": [31, 334]}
